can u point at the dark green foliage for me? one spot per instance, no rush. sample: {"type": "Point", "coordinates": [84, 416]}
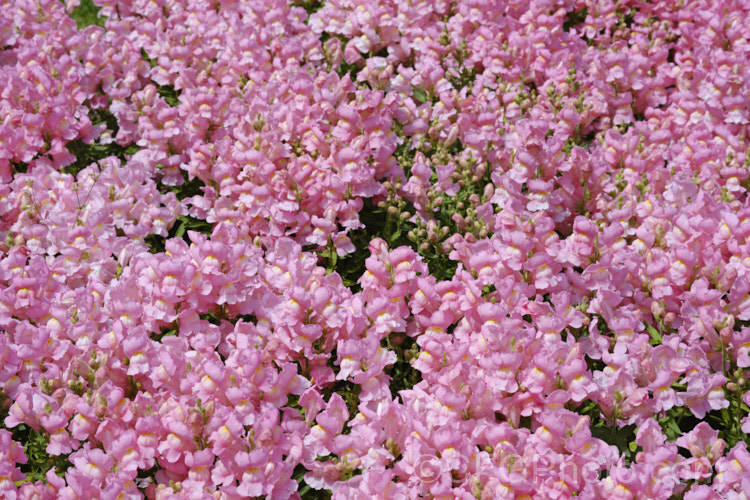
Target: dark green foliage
{"type": "Point", "coordinates": [39, 461]}
{"type": "Point", "coordinates": [403, 374]}
{"type": "Point", "coordinates": [627, 18]}
{"type": "Point", "coordinates": [343, 68]}
{"type": "Point", "coordinates": [348, 69]}
{"type": "Point", "coordinates": [87, 14]}
{"type": "Point", "coordinates": [378, 224]}
{"type": "Point", "coordinates": [574, 18]}
{"type": "Point", "coordinates": [189, 188]}
{"type": "Point", "coordinates": [621, 436]}
{"type": "Point", "coordinates": [144, 56]}
{"type": "Point", "coordinates": [19, 167]}
{"type": "Point", "coordinates": [349, 391]}
{"type": "Point", "coordinates": [185, 223]}
{"type": "Point", "coordinates": [464, 76]}
{"type": "Point", "coordinates": [310, 6]}
{"type": "Point", "coordinates": [166, 331]}
{"type": "Point", "coordinates": [86, 154]}
{"type": "Point", "coordinates": [147, 473]}
{"type": "Point", "coordinates": [170, 95]}
{"type": "Point", "coordinates": [305, 491]}
{"type": "Point", "coordinates": [420, 94]}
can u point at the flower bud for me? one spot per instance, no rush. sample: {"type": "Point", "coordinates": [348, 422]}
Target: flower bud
{"type": "Point", "coordinates": [669, 318]}
{"type": "Point", "coordinates": [458, 219]}
{"type": "Point", "coordinates": [208, 410]}
{"type": "Point", "coordinates": [452, 135]}
{"type": "Point", "coordinates": [657, 310]}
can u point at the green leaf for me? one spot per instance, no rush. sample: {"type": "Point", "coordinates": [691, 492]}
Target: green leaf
{"type": "Point", "coordinates": [673, 430]}
{"type": "Point", "coordinates": [419, 93]}
{"type": "Point", "coordinates": [181, 228]}
{"type": "Point", "coordinates": [655, 335]}
{"type": "Point", "coordinates": [87, 14]}
{"type": "Point", "coordinates": [574, 18]}
{"type": "Point", "coordinates": [333, 257]}
{"type": "Point", "coordinates": [170, 95]}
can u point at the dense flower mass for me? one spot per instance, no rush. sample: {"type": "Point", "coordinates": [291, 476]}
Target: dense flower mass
{"type": "Point", "coordinates": [374, 249]}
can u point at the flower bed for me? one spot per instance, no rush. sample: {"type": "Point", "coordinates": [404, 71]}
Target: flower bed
{"type": "Point", "coordinates": [360, 249]}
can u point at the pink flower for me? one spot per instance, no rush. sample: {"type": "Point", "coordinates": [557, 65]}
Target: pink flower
{"type": "Point", "coordinates": [93, 464]}
{"type": "Point", "coordinates": [330, 422]}
{"type": "Point", "coordinates": [703, 441]}
{"type": "Point", "coordinates": [701, 492]}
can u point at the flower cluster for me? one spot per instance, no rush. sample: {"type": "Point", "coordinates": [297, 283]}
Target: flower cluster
{"type": "Point", "coordinates": [374, 249]}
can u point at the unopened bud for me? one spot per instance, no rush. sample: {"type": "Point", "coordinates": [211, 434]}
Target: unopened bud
{"type": "Point", "coordinates": [208, 409]}
{"type": "Point", "coordinates": [727, 278]}
{"type": "Point", "coordinates": [657, 310]}
{"type": "Point", "coordinates": [452, 135]}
